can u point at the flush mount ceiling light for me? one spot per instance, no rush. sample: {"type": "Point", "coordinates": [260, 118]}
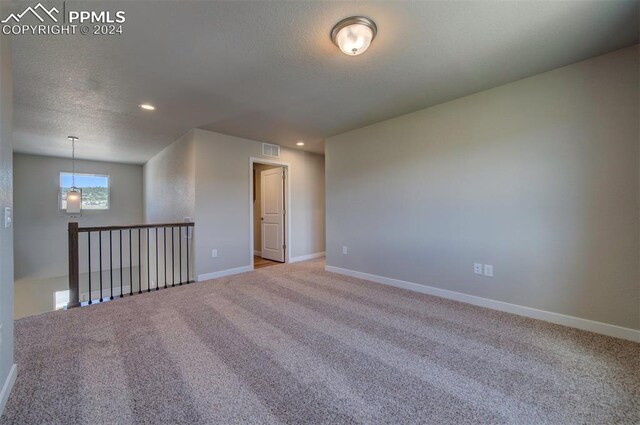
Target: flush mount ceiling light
{"type": "Point", "coordinates": [147, 107]}
{"type": "Point", "coordinates": [354, 35]}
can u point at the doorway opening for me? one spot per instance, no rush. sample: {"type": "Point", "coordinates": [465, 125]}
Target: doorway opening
{"type": "Point", "coordinates": [269, 199]}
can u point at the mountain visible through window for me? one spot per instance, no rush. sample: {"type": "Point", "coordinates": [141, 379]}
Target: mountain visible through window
{"type": "Point", "coordinates": [94, 187]}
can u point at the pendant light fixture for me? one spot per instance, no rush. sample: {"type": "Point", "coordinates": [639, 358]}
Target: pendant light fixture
{"type": "Point", "coordinates": [353, 35]}
{"type": "Point", "coordinates": [74, 195]}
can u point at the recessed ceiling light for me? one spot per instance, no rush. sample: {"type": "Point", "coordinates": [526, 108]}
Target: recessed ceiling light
{"type": "Point", "coordinates": [300, 143]}
{"type": "Point", "coordinates": [353, 35]}
{"type": "Point", "coordinates": [147, 107]}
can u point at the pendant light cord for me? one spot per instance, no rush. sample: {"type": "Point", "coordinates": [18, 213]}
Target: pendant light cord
{"type": "Point", "coordinates": [73, 163]}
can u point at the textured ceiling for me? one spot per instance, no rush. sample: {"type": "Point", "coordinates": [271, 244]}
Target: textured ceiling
{"type": "Point", "coordinates": [268, 70]}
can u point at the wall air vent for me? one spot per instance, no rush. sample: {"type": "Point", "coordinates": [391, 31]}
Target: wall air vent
{"type": "Point", "coordinates": [272, 151]}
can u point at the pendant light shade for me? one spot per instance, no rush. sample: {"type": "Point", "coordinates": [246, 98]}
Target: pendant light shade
{"type": "Point", "coordinates": [74, 201]}
{"type": "Point", "coordinates": [74, 195]}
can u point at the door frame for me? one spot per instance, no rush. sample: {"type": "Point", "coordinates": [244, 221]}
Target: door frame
{"type": "Point", "coordinates": [287, 194]}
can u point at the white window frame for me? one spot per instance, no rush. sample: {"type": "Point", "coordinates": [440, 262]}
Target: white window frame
{"type": "Point", "coordinates": [108, 177]}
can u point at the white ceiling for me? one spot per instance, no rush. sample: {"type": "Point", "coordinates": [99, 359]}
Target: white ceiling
{"type": "Point", "coordinates": [268, 70]}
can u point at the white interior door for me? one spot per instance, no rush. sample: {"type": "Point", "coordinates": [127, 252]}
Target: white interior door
{"type": "Point", "coordinates": [272, 213]}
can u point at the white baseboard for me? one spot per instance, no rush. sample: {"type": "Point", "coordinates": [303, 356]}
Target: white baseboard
{"type": "Point", "coordinates": [534, 313]}
{"type": "Point", "coordinates": [223, 273]}
{"type": "Point", "coordinates": [306, 257]}
{"type": "Point", "coordinates": [6, 388]}
{"type": "Point", "coordinates": [257, 253]}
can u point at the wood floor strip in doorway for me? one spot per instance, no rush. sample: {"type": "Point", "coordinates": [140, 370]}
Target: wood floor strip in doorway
{"type": "Point", "coordinates": [259, 262]}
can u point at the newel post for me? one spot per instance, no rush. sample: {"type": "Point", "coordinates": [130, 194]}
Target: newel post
{"type": "Point", "coordinates": [74, 271]}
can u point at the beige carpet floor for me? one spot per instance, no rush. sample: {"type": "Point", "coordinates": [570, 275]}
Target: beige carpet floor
{"type": "Point", "coordinates": [295, 344]}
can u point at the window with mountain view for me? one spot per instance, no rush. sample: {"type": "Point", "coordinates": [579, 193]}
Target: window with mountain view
{"type": "Point", "coordinates": [94, 187]}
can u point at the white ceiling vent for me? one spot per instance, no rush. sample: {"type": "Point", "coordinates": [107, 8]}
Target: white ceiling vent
{"type": "Point", "coordinates": [270, 150]}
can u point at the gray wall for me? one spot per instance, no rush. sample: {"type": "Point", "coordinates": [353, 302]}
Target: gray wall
{"type": "Point", "coordinates": [6, 200]}
{"type": "Point", "coordinates": [205, 176]}
{"type": "Point", "coordinates": [169, 183]}
{"type": "Point", "coordinates": [222, 200]}
{"type": "Point", "coordinates": [539, 177]}
{"type": "Point", "coordinates": [41, 231]}
{"type": "Point", "coordinates": [169, 197]}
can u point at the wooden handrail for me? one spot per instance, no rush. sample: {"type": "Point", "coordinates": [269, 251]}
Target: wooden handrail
{"type": "Point", "coordinates": [134, 226]}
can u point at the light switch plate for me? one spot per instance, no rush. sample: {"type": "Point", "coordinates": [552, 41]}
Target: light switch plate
{"type": "Point", "coordinates": [8, 217]}
{"type": "Point", "coordinates": [488, 270]}
{"type": "Point", "coordinates": [214, 253]}
{"type": "Point", "coordinates": [345, 250]}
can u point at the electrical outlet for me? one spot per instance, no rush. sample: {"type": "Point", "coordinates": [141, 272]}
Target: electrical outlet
{"type": "Point", "coordinates": [345, 250]}
{"type": "Point", "coordinates": [488, 270]}
{"type": "Point", "coordinates": [214, 253]}
{"type": "Point", "coordinates": [8, 217]}
{"type": "Point", "coordinates": [477, 268]}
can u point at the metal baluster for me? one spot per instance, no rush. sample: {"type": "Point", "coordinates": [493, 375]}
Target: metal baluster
{"type": "Point", "coordinates": [121, 257]}
{"type": "Point", "coordinates": [111, 262]}
{"type": "Point", "coordinates": [89, 246]}
{"type": "Point", "coordinates": [173, 259]}
{"type": "Point", "coordinates": [139, 263]}
{"type": "Point", "coordinates": [121, 294]}
{"type": "Point", "coordinates": [100, 242]}
{"type": "Point", "coordinates": [157, 277]}
{"type": "Point", "coordinates": [148, 265]}
{"type": "Point", "coordinates": [130, 265]}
